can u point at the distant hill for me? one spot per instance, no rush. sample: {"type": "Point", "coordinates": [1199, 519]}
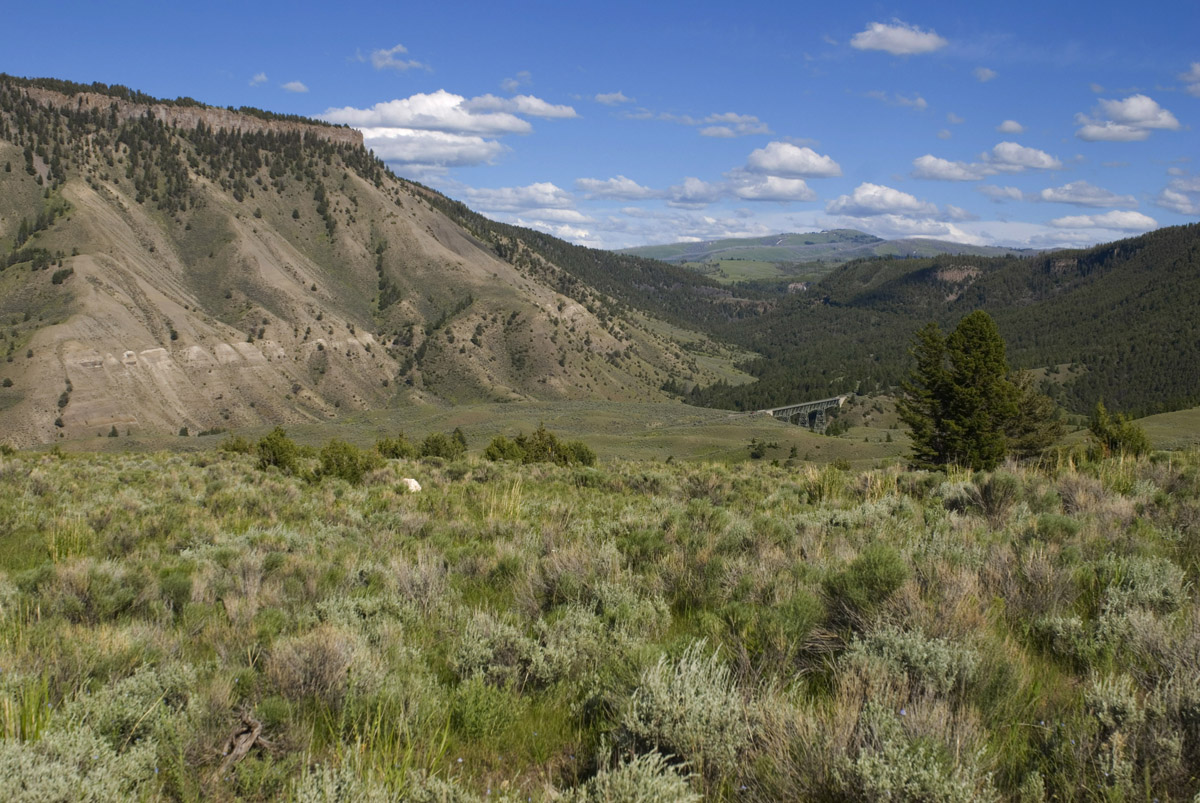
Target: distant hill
{"type": "Point", "coordinates": [833, 247]}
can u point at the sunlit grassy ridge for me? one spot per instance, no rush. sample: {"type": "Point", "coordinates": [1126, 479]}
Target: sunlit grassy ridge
{"type": "Point", "coordinates": [745, 632]}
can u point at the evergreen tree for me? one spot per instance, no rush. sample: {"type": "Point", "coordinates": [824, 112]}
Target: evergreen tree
{"type": "Point", "coordinates": [1117, 435]}
{"type": "Point", "coordinates": [922, 398]}
{"type": "Point", "coordinates": [981, 401]}
{"type": "Point", "coordinates": [961, 405]}
{"type": "Point", "coordinates": [1037, 424]}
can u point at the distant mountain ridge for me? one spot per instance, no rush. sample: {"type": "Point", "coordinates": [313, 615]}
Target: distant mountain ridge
{"type": "Point", "coordinates": [834, 246]}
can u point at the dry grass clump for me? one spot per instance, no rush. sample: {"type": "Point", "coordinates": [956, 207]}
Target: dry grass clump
{"type": "Point", "coordinates": [314, 665]}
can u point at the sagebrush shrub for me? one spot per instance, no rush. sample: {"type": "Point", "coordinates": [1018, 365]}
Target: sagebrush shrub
{"type": "Point", "coordinates": [935, 664]}
{"type": "Point", "coordinates": [341, 784]}
{"type": "Point", "coordinates": [647, 778]}
{"type": "Point", "coordinates": [633, 614]}
{"type": "Point", "coordinates": [132, 709]}
{"type": "Point", "coordinates": [692, 709]}
{"type": "Point", "coordinates": [1148, 582]}
{"type": "Point", "coordinates": [891, 766]}
{"type": "Point", "coordinates": [70, 764]}
{"type": "Point", "coordinates": [492, 649]}
{"type": "Point", "coordinates": [574, 642]}
{"type": "Point", "coordinates": [1113, 701]}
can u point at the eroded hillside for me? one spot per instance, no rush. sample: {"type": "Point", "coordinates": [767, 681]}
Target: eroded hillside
{"type": "Point", "coordinates": [199, 270]}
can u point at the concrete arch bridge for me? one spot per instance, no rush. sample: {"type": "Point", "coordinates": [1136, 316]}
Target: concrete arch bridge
{"type": "Point", "coordinates": [810, 414]}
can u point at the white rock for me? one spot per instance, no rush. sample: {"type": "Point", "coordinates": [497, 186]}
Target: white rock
{"type": "Point", "coordinates": [411, 484]}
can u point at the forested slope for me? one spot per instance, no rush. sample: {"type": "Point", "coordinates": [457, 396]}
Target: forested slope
{"type": "Point", "coordinates": [1119, 318]}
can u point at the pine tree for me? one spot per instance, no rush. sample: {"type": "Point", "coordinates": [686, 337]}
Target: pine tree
{"type": "Point", "coordinates": [961, 405]}
{"type": "Point", "coordinates": [1037, 424]}
{"type": "Point", "coordinates": [922, 400]}
{"type": "Point", "coordinates": [981, 402]}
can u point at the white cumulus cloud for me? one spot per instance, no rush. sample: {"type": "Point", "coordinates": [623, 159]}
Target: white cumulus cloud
{"type": "Point", "coordinates": [295, 86]}
{"type": "Point", "coordinates": [791, 161]}
{"type": "Point", "coordinates": [558, 215]}
{"type": "Point", "coordinates": [1123, 221]}
{"type": "Point", "coordinates": [875, 199]}
{"type": "Point", "coordinates": [436, 111]}
{"type": "Point", "coordinates": [983, 74]}
{"type": "Point", "coordinates": [1081, 193]}
{"type": "Point", "coordinates": [1128, 120]}
{"type": "Point", "coordinates": [527, 105]}
{"type": "Point", "coordinates": [441, 129]}
{"type": "Point", "coordinates": [1138, 110]}
{"type": "Point", "coordinates": [259, 79]}
{"type": "Point", "coordinates": [540, 195]}
{"type": "Point", "coordinates": [897, 38]}
{"type": "Point", "coordinates": [1181, 195]}
{"type": "Point", "coordinates": [413, 147]}
{"type": "Point", "coordinates": [1009, 157]}
{"type": "Point", "coordinates": [619, 188]}
{"type": "Point", "coordinates": [1108, 131]}
{"type": "Point", "coordinates": [774, 188]}
{"type": "Point", "coordinates": [693, 194]}
{"type": "Point", "coordinates": [563, 231]}
{"type": "Point", "coordinates": [933, 167]}
{"type": "Point", "coordinates": [1010, 127]}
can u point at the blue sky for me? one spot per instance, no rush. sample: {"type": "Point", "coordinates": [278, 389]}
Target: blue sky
{"type": "Point", "coordinates": [620, 124]}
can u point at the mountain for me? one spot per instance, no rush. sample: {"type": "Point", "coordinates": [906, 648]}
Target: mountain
{"type": "Point", "coordinates": [168, 265]}
{"type": "Point", "coordinates": [833, 247]}
{"type": "Point", "coordinates": [1115, 322]}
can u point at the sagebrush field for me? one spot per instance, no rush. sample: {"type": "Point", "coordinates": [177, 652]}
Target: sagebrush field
{"type": "Point", "coordinates": [183, 627]}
